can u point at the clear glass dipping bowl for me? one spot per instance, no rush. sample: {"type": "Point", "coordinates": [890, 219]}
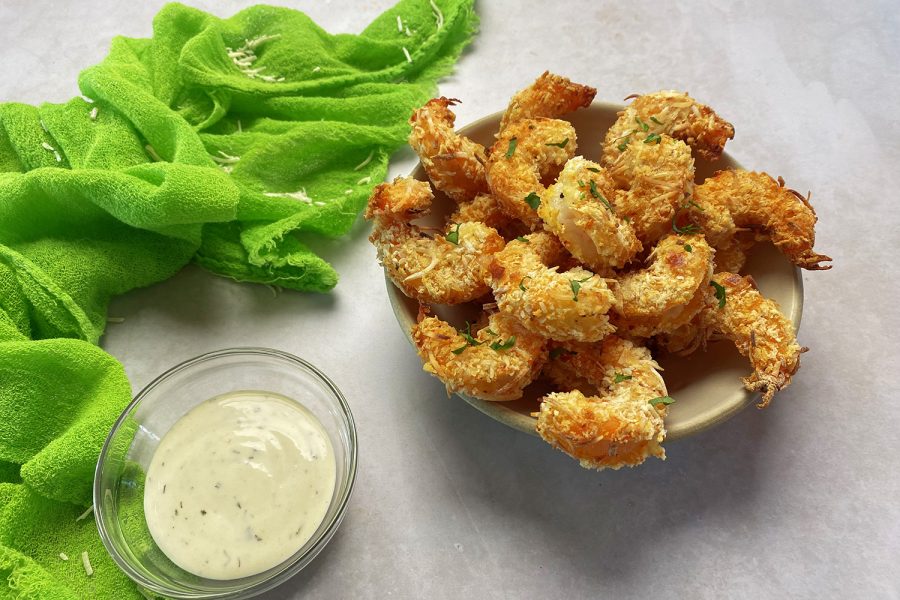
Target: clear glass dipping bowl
{"type": "Point", "coordinates": [126, 455]}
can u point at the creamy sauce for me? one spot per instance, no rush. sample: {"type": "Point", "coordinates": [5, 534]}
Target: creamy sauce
{"type": "Point", "coordinates": [239, 484]}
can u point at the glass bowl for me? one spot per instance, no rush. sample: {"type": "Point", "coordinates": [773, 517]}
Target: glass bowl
{"type": "Point", "coordinates": [126, 455]}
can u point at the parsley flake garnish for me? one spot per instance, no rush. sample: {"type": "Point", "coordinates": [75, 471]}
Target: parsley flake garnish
{"type": "Point", "coordinates": [653, 137]}
{"type": "Point", "coordinates": [695, 205]}
{"type": "Point", "coordinates": [453, 236]}
{"type": "Point", "coordinates": [522, 238]}
{"type": "Point", "coordinates": [504, 345]}
{"type": "Point", "coordinates": [533, 200]}
{"type": "Point", "coordinates": [467, 335]}
{"type": "Point", "coordinates": [600, 197]}
{"type": "Point", "coordinates": [593, 170]}
{"type": "Point", "coordinates": [662, 400]}
{"type": "Point", "coordinates": [576, 286]}
{"type": "Point", "coordinates": [620, 377]}
{"type": "Point", "coordinates": [561, 144]}
{"type": "Point", "coordinates": [683, 229]}
{"type": "Point", "coordinates": [644, 126]}
{"type": "Point", "coordinates": [512, 147]}
{"type": "Point", "coordinates": [490, 331]}
{"type": "Point", "coordinates": [522, 282]}
{"type": "Point", "coordinates": [657, 121]}
{"type": "Point", "coordinates": [688, 248]}
{"type": "Point", "coordinates": [720, 293]}
{"type": "Point", "coordinates": [624, 144]}
{"type": "Point", "coordinates": [460, 350]}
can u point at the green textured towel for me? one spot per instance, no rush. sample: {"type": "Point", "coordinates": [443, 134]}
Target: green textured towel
{"type": "Point", "coordinates": [225, 141]}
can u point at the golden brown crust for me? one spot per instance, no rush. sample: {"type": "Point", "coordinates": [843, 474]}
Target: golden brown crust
{"type": "Point", "coordinates": [550, 96]}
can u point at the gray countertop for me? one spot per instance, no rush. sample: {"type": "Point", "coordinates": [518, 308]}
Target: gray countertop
{"type": "Point", "coordinates": [799, 500]}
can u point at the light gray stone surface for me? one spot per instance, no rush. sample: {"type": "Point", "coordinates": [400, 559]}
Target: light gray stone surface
{"type": "Point", "coordinates": [800, 500]}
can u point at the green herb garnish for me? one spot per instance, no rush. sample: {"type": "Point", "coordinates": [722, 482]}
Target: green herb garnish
{"type": "Point", "coordinates": [600, 197]}
{"type": "Point", "coordinates": [467, 335]}
{"type": "Point", "coordinates": [683, 229]}
{"type": "Point", "coordinates": [653, 137]}
{"type": "Point", "coordinates": [561, 144]}
{"type": "Point", "coordinates": [621, 377]}
{"type": "Point", "coordinates": [521, 286]}
{"type": "Point", "coordinates": [657, 121]}
{"type": "Point", "coordinates": [688, 248]}
{"type": "Point", "coordinates": [695, 205]}
{"type": "Point", "coordinates": [453, 236]}
{"type": "Point", "coordinates": [505, 345]}
{"type": "Point", "coordinates": [490, 331]}
{"type": "Point", "coordinates": [643, 125]}
{"type": "Point", "coordinates": [576, 286]}
{"type": "Point", "coordinates": [720, 293]}
{"type": "Point", "coordinates": [624, 144]}
{"type": "Point", "coordinates": [460, 350]}
{"type": "Point", "coordinates": [522, 238]}
{"type": "Point", "coordinates": [593, 170]}
{"type": "Point", "coordinates": [533, 200]}
{"type": "Point", "coordinates": [512, 147]}
{"type": "Point", "coordinates": [662, 400]}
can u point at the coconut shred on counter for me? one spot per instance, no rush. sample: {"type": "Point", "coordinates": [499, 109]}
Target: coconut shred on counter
{"type": "Point", "coordinates": [239, 484]}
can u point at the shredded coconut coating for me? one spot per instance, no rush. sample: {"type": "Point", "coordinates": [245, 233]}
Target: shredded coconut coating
{"type": "Point", "coordinates": [483, 208]}
{"type": "Point", "coordinates": [454, 163]}
{"type": "Point", "coordinates": [573, 208]}
{"type": "Point", "coordinates": [617, 427]}
{"type": "Point", "coordinates": [561, 306]}
{"type": "Point", "coordinates": [402, 200]}
{"type": "Point", "coordinates": [759, 331]}
{"type": "Point", "coordinates": [550, 96]}
{"type": "Point", "coordinates": [675, 114]}
{"type": "Point", "coordinates": [655, 178]}
{"type": "Point", "coordinates": [670, 291]}
{"type": "Point", "coordinates": [755, 200]}
{"type": "Point", "coordinates": [481, 371]}
{"type": "Point", "coordinates": [514, 172]}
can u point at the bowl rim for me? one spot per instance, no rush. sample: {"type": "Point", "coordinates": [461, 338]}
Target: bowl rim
{"type": "Point", "coordinates": [292, 565]}
{"type": "Point", "coordinates": [518, 421]}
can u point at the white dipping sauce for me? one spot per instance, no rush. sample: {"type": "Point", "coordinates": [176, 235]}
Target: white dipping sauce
{"type": "Point", "coordinates": [239, 484]}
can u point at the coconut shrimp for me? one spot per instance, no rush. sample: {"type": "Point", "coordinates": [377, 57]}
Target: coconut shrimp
{"type": "Point", "coordinates": [619, 426]}
{"type": "Point", "coordinates": [494, 362]}
{"type": "Point", "coordinates": [655, 178]}
{"type": "Point", "coordinates": [572, 305]}
{"type": "Point", "coordinates": [525, 153]}
{"type": "Point", "coordinates": [755, 200]}
{"type": "Point", "coordinates": [672, 113]}
{"type": "Point", "coordinates": [450, 268]}
{"type": "Point", "coordinates": [549, 96]}
{"type": "Point", "coordinates": [483, 208]}
{"type": "Point", "coordinates": [759, 330]}
{"type": "Point", "coordinates": [454, 163]}
{"type": "Point", "coordinates": [670, 291]}
{"type": "Point", "coordinates": [579, 209]}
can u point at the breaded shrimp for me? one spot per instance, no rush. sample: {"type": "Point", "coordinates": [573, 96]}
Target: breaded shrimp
{"type": "Point", "coordinates": [549, 96]}
{"type": "Point", "coordinates": [755, 200]}
{"type": "Point", "coordinates": [656, 176]}
{"type": "Point", "coordinates": [621, 425]}
{"type": "Point", "coordinates": [670, 291]}
{"type": "Point", "coordinates": [445, 269]}
{"type": "Point", "coordinates": [485, 209]}
{"type": "Point", "coordinates": [561, 306]}
{"type": "Point", "coordinates": [672, 113]}
{"type": "Point", "coordinates": [494, 363]}
{"type": "Point", "coordinates": [758, 329]}
{"type": "Point", "coordinates": [454, 163]}
{"type": "Point", "coordinates": [579, 209]}
{"type": "Point", "coordinates": [527, 152]}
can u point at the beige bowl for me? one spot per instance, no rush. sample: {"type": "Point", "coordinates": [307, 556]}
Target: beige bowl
{"type": "Point", "coordinates": [706, 385]}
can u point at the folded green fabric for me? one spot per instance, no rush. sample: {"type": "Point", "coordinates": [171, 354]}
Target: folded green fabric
{"type": "Point", "coordinates": [232, 142]}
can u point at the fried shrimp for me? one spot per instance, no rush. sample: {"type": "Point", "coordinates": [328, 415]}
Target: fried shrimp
{"type": "Point", "coordinates": [670, 291]}
{"type": "Point", "coordinates": [561, 306]}
{"type": "Point", "coordinates": [736, 310]}
{"type": "Point", "coordinates": [755, 200]}
{"type": "Point", "coordinates": [655, 177]}
{"type": "Point", "coordinates": [494, 363]}
{"type": "Point", "coordinates": [621, 425]}
{"type": "Point", "coordinates": [525, 153]}
{"type": "Point", "coordinates": [578, 209]}
{"type": "Point", "coordinates": [672, 113]}
{"type": "Point", "coordinates": [454, 163]}
{"type": "Point", "coordinates": [444, 269]}
{"type": "Point", "coordinates": [549, 96]}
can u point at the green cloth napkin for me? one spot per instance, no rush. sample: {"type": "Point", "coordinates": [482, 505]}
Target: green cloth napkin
{"type": "Point", "coordinates": [232, 142]}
